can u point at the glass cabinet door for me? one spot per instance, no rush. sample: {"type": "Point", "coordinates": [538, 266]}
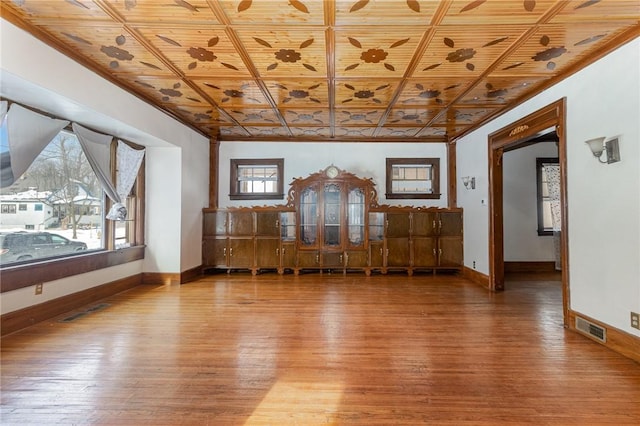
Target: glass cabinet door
{"type": "Point", "coordinates": [355, 216]}
{"type": "Point", "coordinates": [331, 215]}
{"type": "Point", "coordinates": [288, 226]}
{"type": "Point", "coordinates": [308, 217]}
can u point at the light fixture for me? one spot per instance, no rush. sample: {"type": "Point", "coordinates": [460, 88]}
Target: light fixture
{"type": "Point", "coordinates": [469, 182]}
{"type": "Point", "coordinates": [598, 146]}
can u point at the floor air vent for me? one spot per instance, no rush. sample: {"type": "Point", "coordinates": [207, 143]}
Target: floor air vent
{"type": "Point", "coordinates": [593, 330]}
{"type": "Point", "coordinates": [78, 315]}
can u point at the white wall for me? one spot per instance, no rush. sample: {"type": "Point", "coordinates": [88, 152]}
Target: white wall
{"type": "Point", "coordinates": [302, 159]}
{"type": "Point", "coordinates": [603, 200]}
{"type": "Point", "coordinates": [177, 158]}
{"type": "Point", "coordinates": [521, 239]}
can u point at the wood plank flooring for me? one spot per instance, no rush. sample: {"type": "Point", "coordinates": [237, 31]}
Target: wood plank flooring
{"type": "Point", "coordinates": [318, 349]}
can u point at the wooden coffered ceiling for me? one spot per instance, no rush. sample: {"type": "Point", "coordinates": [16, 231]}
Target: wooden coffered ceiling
{"type": "Point", "coordinates": [333, 70]}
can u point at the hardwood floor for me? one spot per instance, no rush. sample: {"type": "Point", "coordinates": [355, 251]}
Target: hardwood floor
{"type": "Point", "coordinates": [318, 349]}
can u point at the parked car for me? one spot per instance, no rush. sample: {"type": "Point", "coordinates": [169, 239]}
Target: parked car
{"type": "Point", "coordinates": [23, 245]}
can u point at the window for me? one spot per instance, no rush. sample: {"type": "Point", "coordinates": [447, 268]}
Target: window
{"type": "Point", "coordinates": [545, 223]}
{"type": "Point", "coordinates": [63, 180]}
{"type": "Point", "coordinates": [260, 179]}
{"type": "Point", "coordinates": [8, 209]}
{"type": "Point", "coordinates": [22, 207]}
{"type": "Point", "coordinates": [413, 178]}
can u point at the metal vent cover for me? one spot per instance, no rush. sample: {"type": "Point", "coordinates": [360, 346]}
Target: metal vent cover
{"type": "Point", "coordinates": [591, 329]}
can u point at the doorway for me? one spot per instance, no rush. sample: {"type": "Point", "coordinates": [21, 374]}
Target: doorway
{"type": "Point", "coordinates": [526, 130]}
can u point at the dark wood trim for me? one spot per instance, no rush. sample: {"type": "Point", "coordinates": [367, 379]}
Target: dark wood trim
{"type": "Point", "coordinates": [214, 169]}
{"type": "Point", "coordinates": [191, 274]}
{"type": "Point", "coordinates": [533, 267]}
{"type": "Point", "coordinates": [617, 340]}
{"type": "Point", "coordinates": [452, 176]}
{"type": "Point", "coordinates": [509, 137]}
{"type": "Point", "coordinates": [17, 320]}
{"type": "Point", "coordinates": [476, 277]}
{"type": "Point", "coordinates": [16, 277]}
{"type": "Point", "coordinates": [160, 278]}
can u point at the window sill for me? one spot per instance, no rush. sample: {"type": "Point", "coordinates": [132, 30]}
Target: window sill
{"type": "Point", "coordinates": [16, 277]}
{"type": "Point", "coordinates": [412, 196]}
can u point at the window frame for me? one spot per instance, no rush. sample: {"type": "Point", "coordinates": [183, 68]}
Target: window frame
{"type": "Point", "coordinates": [434, 162]}
{"type": "Point", "coordinates": [542, 231]}
{"type": "Point", "coordinates": [16, 276]}
{"type": "Point", "coordinates": [234, 186]}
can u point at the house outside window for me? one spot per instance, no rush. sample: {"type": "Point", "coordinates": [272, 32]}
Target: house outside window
{"type": "Point", "coordinates": [417, 178]}
{"type": "Point", "coordinates": [256, 179]}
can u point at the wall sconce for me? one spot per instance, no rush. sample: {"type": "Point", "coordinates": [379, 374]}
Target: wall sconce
{"type": "Point", "coordinates": [598, 146]}
{"type": "Point", "coordinates": [469, 182]}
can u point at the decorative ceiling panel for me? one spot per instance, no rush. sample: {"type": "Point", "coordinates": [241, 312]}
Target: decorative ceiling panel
{"type": "Point", "coordinates": [269, 13]}
{"type": "Point", "coordinates": [331, 70]}
{"type": "Point", "coordinates": [360, 52]}
{"type": "Point", "coordinates": [552, 48]}
{"type": "Point", "coordinates": [358, 117]}
{"type": "Point", "coordinates": [309, 117]}
{"type": "Point", "coordinates": [286, 53]}
{"type": "Point", "coordinates": [236, 93]}
{"type": "Point", "coordinates": [192, 11]}
{"type": "Point", "coordinates": [112, 48]}
{"type": "Point", "coordinates": [299, 93]}
{"type": "Point", "coordinates": [384, 12]}
{"type": "Point", "coordinates": [466, 52]}
{"type": "Point", "coordinates": [196, 51]}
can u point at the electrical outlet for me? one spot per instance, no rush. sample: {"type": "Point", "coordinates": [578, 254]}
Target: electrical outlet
{"type": "Point", "coordinates": [635, 320]}
{"type": "Point", "coordinates": [38, 289]}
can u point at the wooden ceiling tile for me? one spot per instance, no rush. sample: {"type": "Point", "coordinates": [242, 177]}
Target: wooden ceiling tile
{"type": "Point", "coordinates": [463, 116]}
{"type": "Point", "coordinates": [286, 53]}
{"type": "Point", "coordinates": [154, 11]}
{"type": "Point", "coordinates": [497, 91]}
{"type": "Point", "coordinates": [358, 116]}
{"type": "Point", "coordinates": [253, 116]}
{"type": "Point", "coordinates": [196, 50]}
{"type": "Point", "coordinates": [434, 131]}
{"type": "Point", "coordinates": [496, 12]}
{"type": "Point", "coordinates": [46, 11]}
{"type": "Point", "coordinates": [589, 10]}
{"type": "Point", "coordinates": [311, 132]}
{"type": "Point", "coordinates": [267, 131]}
{"type": "Point", "coordinates": [466, 51]}
{"type": "Point", "coordinates": [554, 47]}
{"type": "Point", "coordinates": [233, 132]}
{"type": "Point", "coordinates": [234, 93]}
{"type": "Point", "coordinates": [384, 12]}
{"type": "Point", "coordinates": [398, 132]}
{"type": "Point", "coordinates": [410, 116]}
{"type": "Point", "coordinates": [299, 93]}
{"type": "Point", "coordinates": [270, 12]}
{"type": "Point", "coordinates": [431, 92]}
{"type": "Point", "coordinates": [201, 116]}
{"type": "Point", "coordinates": [306, 117]}
{"type": "Point", "coordinates": [355, 132]}
{"type": "Point", "coordinates": [168, 91]}
{"type": "Point", "coordinates": [369, 52]}
{"type": "Point", "coordinates": [364, 93]}
{"type": "Point", "coordinates": [110, 46]}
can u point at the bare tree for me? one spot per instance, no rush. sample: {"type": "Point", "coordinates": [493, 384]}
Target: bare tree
{"type": "Point", "coordinates": [63, 169]}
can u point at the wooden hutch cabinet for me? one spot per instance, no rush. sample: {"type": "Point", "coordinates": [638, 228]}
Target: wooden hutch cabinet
{"type": "Point", "coordinates": [332, 222]}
